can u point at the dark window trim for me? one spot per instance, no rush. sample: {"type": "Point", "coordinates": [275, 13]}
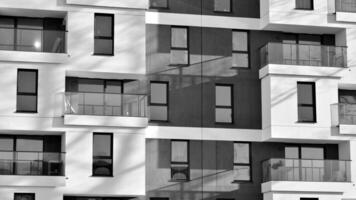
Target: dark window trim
{"type": "Point", "coordinates": [160, 104]}
{"type": "Point", "coordinates": [104, 157]}
{"type": "Point", "coordinates": [159, 7]}
{"type": "Point", "coordinates": [20, 193]}
{"type": "Point", "coordinates": [184, 163]}
{"type": "Point", "coordinates": [220, 11]}
{"type": "Point", "coordinates": [27, 93]}
{"type": "Point", "coordinates": [105, 38]}
{"type": "Point", "coordinates": [245, 164]}
{"type": "Point", "coordinates": [308, 105]}
{"type": "Point", "coordinates": [307, 9]}
{"type": "Point", "coordinates": [242, 52]}
{"type": "Point", "coordinates": [181, 48]}
{"type": "Point", "coordinates": [232, 106]}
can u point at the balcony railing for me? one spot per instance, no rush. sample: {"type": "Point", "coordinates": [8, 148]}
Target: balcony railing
{"type": "Point", "coordinates": [34, 40]}
{"type": "Point", "coordinates": [346, 113]}
{"type": "Point", "coordinates": [300, 54]}
{"type": "Point", "coordinates": [106, 104]}
{"type": "Point", "coordinates": [345, 5]}
{"type": "Point", "coordinates": [31, 163]}
{"type": "Point", "coordinates": [280, 169]}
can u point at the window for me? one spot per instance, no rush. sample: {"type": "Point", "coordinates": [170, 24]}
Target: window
{"type": "Point", "coordinates": [159, 101]}
{"type": "Point", "coordinates": [24, 196]}
{"type": "Point", "coordinates": [27, 90]}
{"type": "Point", "coordinates": [96, 198]}
{"type": "Point", "coordinates": [309, 198]}
{"type": "Point", "coordinates": [158, 3]}
{"type": "Point", "coordinates": [180, 160]}
{"type": "Point", "coordinates": [242, 162]}
{"type": "Point", "coordinates": [306, 102]}
{"type": "Point", "coordinates": [223, 103]}
{"type": "Point", "coordinates": [304, 4]}
{"type": "Point", "coordinates": [104, 34]}
{"type": "Point", "coordinates": [222, 5]}
{"type": "Point", "coordinates": [179, 46]}
{"type": "Point", "coordinates": [159, 198]}
{"type": "Point", "coordinates": [240, 49]}
{"type": "Point", "coordinates": [102, 154]}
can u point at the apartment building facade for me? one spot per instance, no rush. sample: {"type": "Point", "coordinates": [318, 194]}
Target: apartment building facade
{"type": "Point", "coordinates": [177, 99]}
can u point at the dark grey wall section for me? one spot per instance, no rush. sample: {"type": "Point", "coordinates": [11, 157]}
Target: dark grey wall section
{"type": "Point", "coordinates": [239, 8]}
{"type": "Point", "coordinates": [211, 164]}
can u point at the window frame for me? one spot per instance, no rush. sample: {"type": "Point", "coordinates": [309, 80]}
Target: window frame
{"type": "Point", "coordinates": [180, 48]}
{"type": "Point", "coordinates": [241, 52]}
{"type": "Point", "coordinates": [221, 11]}
{"type": "Point", "coordinates": [307, 9]}
{"type": "Point", "coordinates": [160, 104]}
{"type": "Point", "coordinates": [20, 193]}
{"type": "Point", "coordinates": [313, 105]}
{"type": "Point", "coordinates": [232, 107]}
{"type": "Point", "coordinates": [180, 163]}
{"type": "Point", "coordinates": [104, 157]}
{"type": "Point", "coordinates": [27, 93]}
{"type": "Point", "coordinates": [244, 164]}
{"type": "Point", "coordinates": [158, 7]}
{"type": "Point", "coordinates": [104, 37]}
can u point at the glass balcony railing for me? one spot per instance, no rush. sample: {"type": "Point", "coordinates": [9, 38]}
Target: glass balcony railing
{"type": "Point", "coordinates": [34, 40]}
{"type": "Point", "coordinates": [281, 169]}
{"type": "Point", "coordinates": [31, 163]}
{"type": "Point", "coordinates": [106, 104]}
{"type": "Point", "coordinates": [346, 113]}
{"type": "Point", "coordinates": [345, 5]}
{"type": "Point", "coordinates": [300, 54]}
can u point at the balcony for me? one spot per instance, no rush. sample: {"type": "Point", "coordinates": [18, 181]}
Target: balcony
{"type": "Point", "coordinates": [301, 54]}
{"type": "Point", "coordinates": [105, 109]}
{"type": "Point", "coordinates": [343, 115]}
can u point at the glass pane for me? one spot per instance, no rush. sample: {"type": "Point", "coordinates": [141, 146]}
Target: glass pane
{"type": "Point", "coordinates": [239, 41]}
{"type": "Point", "coordinates": [223, 95]}
{"type": "Point", "coordinates": [102, 145]}
{"type": "Point", "coordinates": [103, 46]}
{"type": "Point", "coordinates": [7, 22]}
{"type": "Point", "coordinates": [27, 81]}
{"type": "Point", "coordinates": [19, 196]}
{"type": "Point", "coordinates": [113, 87]}
{"type": "Point", "coordinates": [53, 41]}
{"type": "Point", "coordinates": [223, 115]}
{"type": "Point", "coordinates": [26, 103]}
{"type": "Point", "coordinates": [159, 93]}
{"type": "Point", "coordinates": [179, 37]}
{"type": "Point", "coordinates": [29, 40]}
{"type": "Point", "coordinates": [29, 144]}
{"type": "Point", "coordinates": [159, 3]}
{"type": "Point", "coordinates": [305, 94]}
{"type": "Point", "coordinates": [159, 113]}
{"type": "Point", "coordinates": [306, 113]}
{"type": "Point", "coordinates": [103, 26]}
{"type": "Point", "coordinates": [179, 57]}
{"type": "Point", "coordinates": [240, 60]}
{"type": "Point", "coordinates": [102, 167]}
{"type": "Point", "coordinates": [242, 153]}
{"type": "Point", "coordinates": [291, 152]}
{"type": "Point", "coordinates": [312, 153]}
{"type": "Point", "coordinates": [304, 4]}
{"type": "Point", "coordinates": [90, 85]}
{"type": "Point", "coordinates": [7, 39]}
{"type": "Point", "coordinates": [179, 151]}
{"type": "Point", "coordinates": [222, 5]}
{"type": "Point", "coordinates": [242, 173]}
{"type": "Point", "coordinates": [30, 23]}
{"type": "Point", "coordinates": [6, 144]}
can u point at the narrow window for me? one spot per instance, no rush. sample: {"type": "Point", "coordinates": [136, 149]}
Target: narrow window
{"type": "Point", "coordinates": [223, 103]}
{"type": "Point", "coordinates": [102, 154]}
{"type": "Point", "coordinates": [306, 102]}
{"type": "Point", "coordinates": [179, 160]}
{"type": "Point", "coordinates": [240, 49]}
{"type": "Point", "coordinates": [304, 4]}
{"type": "Point", "coordinates": [179, 46]}
{"type": "Point", "coordinates": [242, 162]}
{"type": "Point", "coordinates": [222, 5]}
{"type": "Point", "coordinates": [27, 90]}
{"type": "Point", "coordinates": [24, 196]}
{"type": "Point", "coordinates": [159, 101]}
{"type": "Point", "coordinates": [104, 34]}
{"type": "Point", "coordinates": [158, 3]}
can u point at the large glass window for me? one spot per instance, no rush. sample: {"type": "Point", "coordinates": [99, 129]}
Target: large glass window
{"type": "Point", "coordinates": [304, 4]}
{"type": "Point", "coordinates": [159, 101]}
{"type": "Point", "coordinates": [26, 90]}
{"type": "Point", "coordinates": [240, 49]}
{"type": "Point", "coordinates": [222, 5]}
{"type": "Point", "coordinates": [242, 162]}
{"type": "Point", "coordinates": [24, 196]}
{"type": "Point", "coordinates": [179, 46]}
{"type": "Point", "coordinates": [104, 34]}
{"type": "Point", "coordinates": [306, 102]}
{"type": "Point", "coordinates": [223, 103]}
{"type": "Point", "coordinates": [102, 154]}
{"type": "Point", "coordinates": [180, 160]}
{"type": "Point", "coordinates": [158, 3]}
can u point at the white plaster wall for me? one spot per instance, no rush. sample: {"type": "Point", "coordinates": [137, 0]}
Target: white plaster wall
{"type": "Point", "coordinates": [297, 196]}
